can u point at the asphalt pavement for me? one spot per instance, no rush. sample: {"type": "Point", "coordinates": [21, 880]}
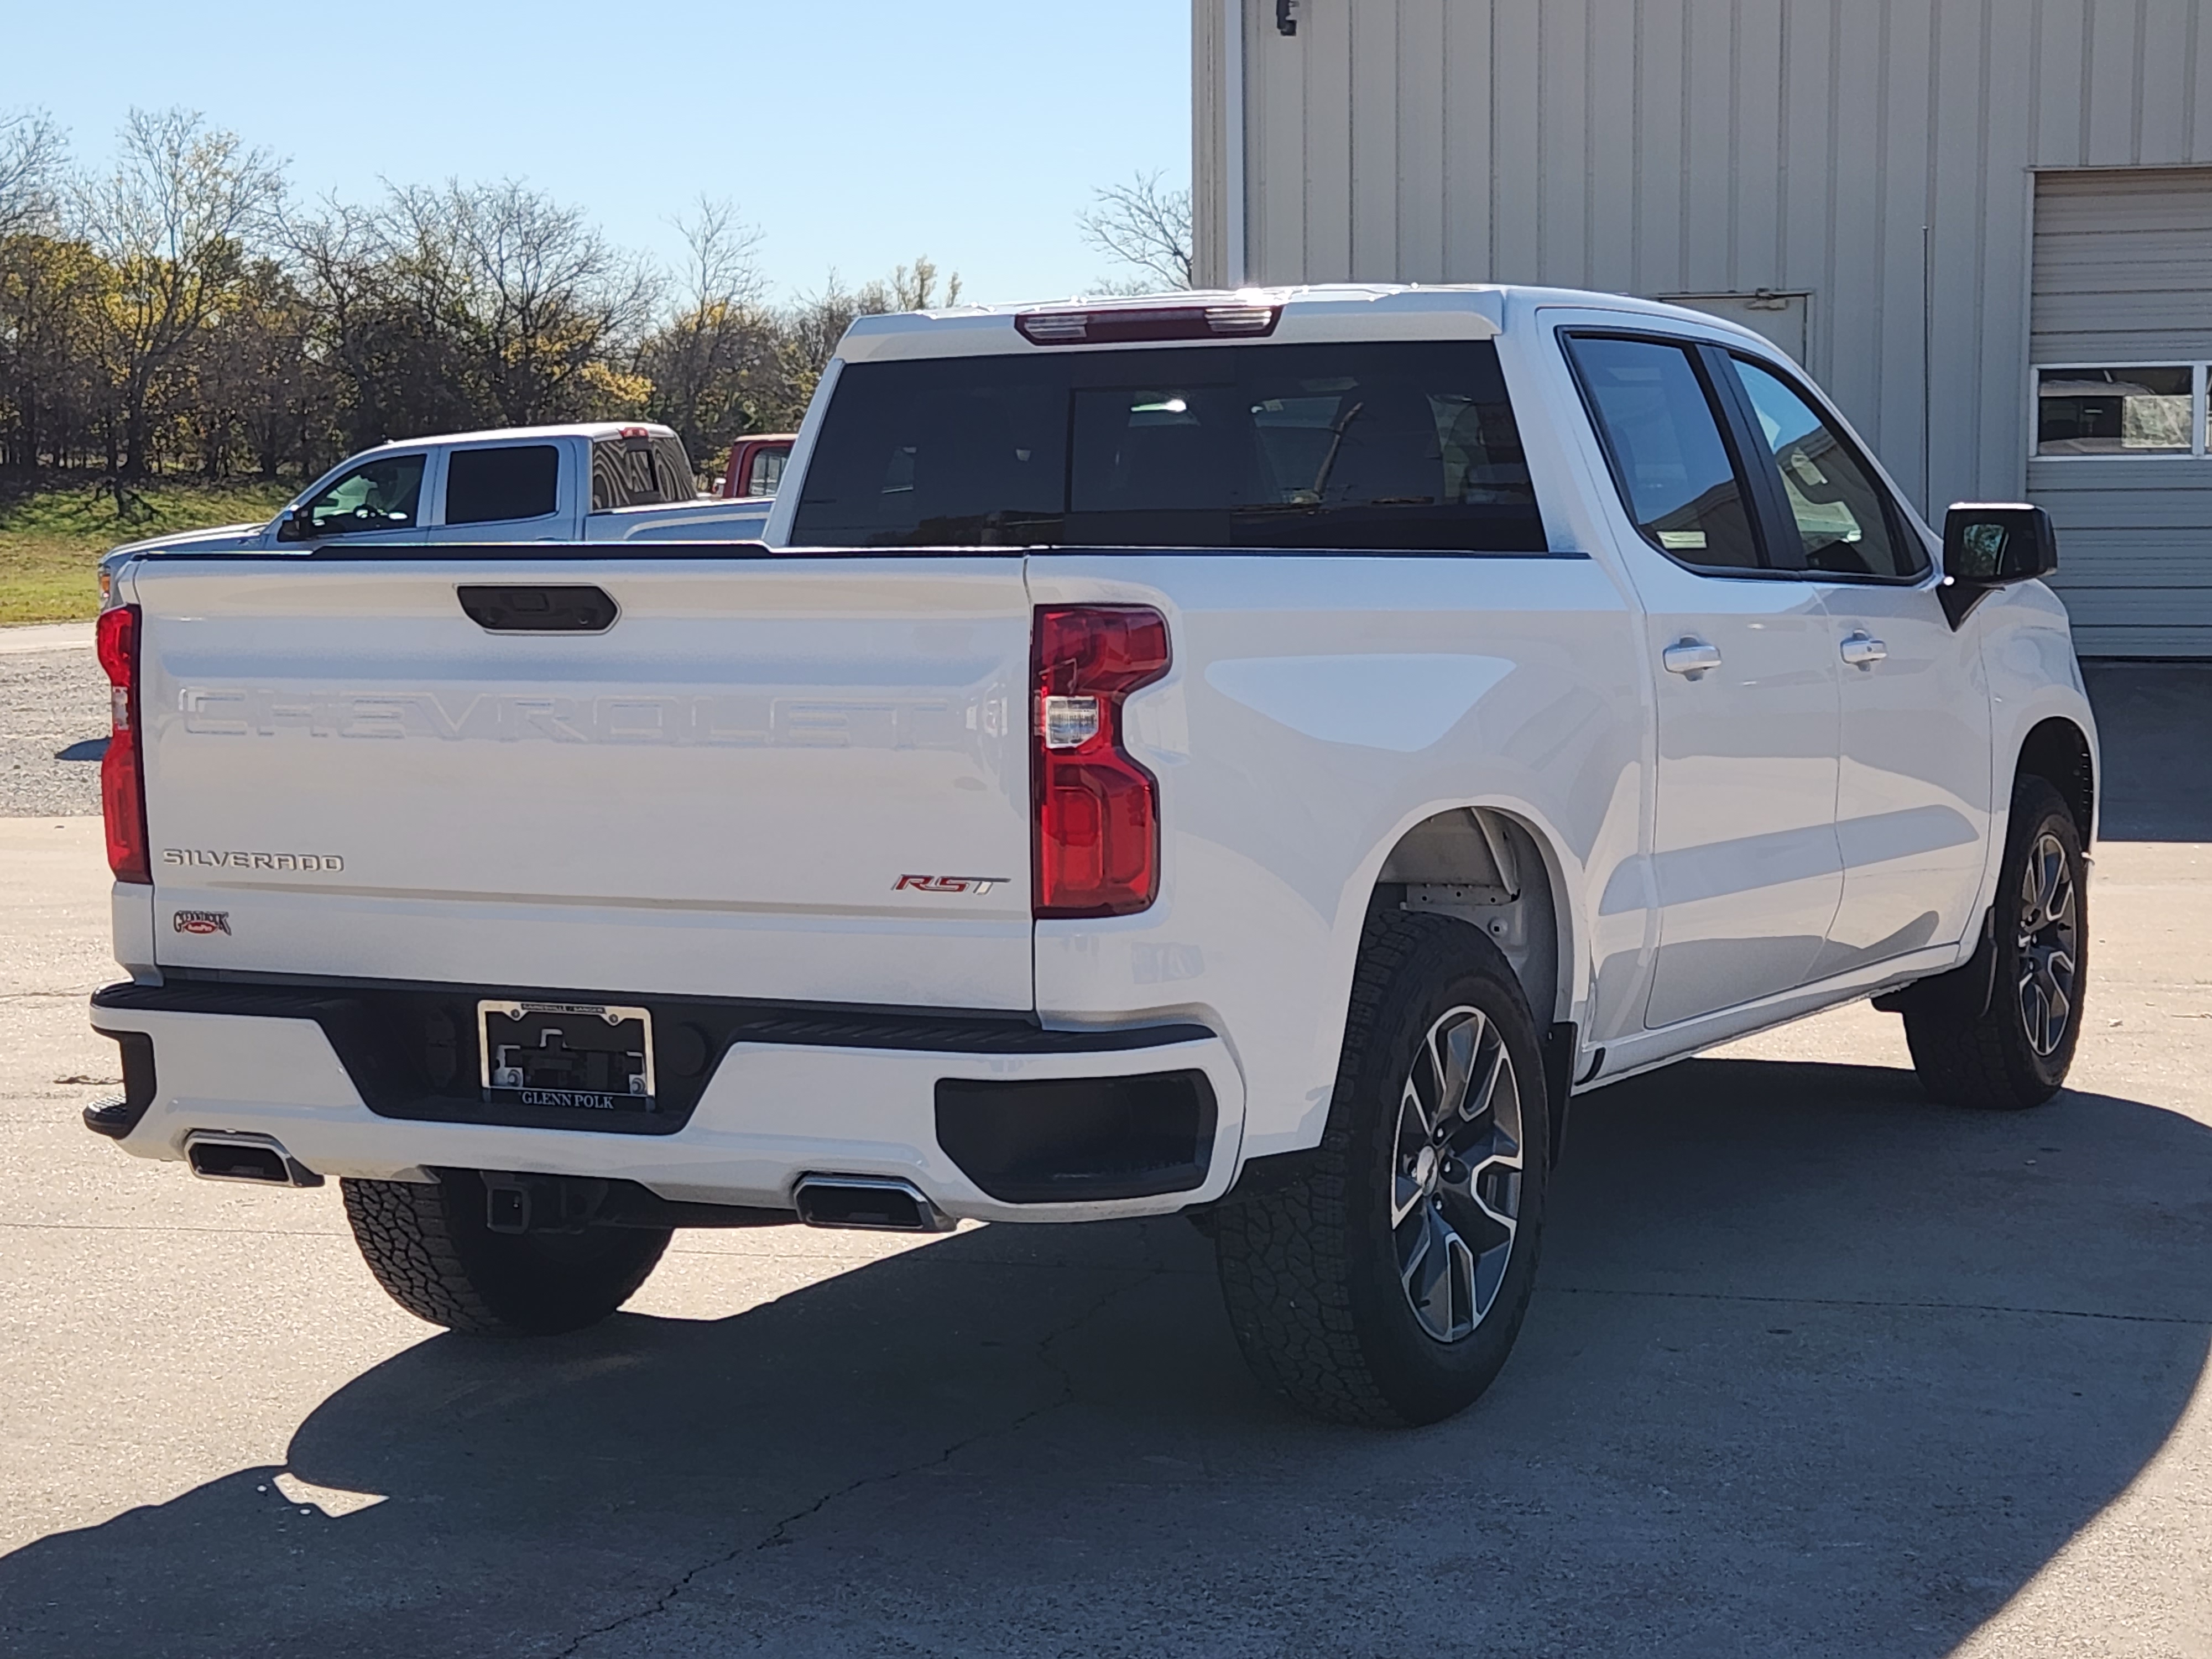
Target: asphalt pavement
{"type": "Point", "coordinates": [1813, 1368]}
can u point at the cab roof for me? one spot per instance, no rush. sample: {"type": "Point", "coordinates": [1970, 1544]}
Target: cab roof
{"type": "Point", "coordinates": [592, 429]}
{"type": "Point", "coordinates": [1329, 312]}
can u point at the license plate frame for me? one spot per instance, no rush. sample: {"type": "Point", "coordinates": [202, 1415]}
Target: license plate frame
{"type": "Point", "coordinates": [607, 1073]}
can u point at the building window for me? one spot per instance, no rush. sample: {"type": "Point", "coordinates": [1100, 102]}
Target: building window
{"type": "Point", "coordinates": [2132, 410]}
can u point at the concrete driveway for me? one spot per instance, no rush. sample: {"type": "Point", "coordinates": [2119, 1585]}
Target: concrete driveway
{"type": "Point", "coordinates": [1813, 1368]}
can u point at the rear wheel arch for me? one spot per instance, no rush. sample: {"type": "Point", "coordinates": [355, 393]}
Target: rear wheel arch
{"type": "Point", "coordinates": [1496, 871]}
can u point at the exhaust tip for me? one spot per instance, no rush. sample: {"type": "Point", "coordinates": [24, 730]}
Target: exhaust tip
{"type": "Point", "coordinates": [221, 1156]}
{"type": "Point", "coordinates": [869, 1203]}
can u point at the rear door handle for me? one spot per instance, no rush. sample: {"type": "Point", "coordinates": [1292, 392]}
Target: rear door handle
{"type": "Point", "coordinates": [1691, 658]}
{"type": "Point", "coordinates": [1862, 650]}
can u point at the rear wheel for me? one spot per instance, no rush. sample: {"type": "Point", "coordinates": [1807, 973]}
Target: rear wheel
{"type": "Point", "coordinates": [2014, 1052]}
{"type": "Point", "coordinates": [429, 1247]}
{"type": "Point", "coordinates": [1387, 1285]}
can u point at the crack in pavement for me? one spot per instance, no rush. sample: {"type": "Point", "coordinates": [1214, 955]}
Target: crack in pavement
{"type": "Point", "coordinates": [170, 1227]}
{"type": "Point", "coordinates": [1874, 1302]}
{"type": "Point", "coordinates": [779, 1533]}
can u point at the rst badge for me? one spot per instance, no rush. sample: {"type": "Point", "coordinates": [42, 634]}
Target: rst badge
{"type": "Point", "coordinates": [202, 921]}
{"type": "Point", "coordinates": [976, 884]}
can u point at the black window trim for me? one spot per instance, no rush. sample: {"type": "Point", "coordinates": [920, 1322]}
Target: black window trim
{"type": "Point", "coordinates": [1774, 498]}
{"type": "Point", "coordinates": [1726, 417]}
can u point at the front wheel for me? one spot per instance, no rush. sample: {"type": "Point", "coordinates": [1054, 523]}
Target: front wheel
{"type": "Point", "coordinates": [430, 1247]}
{"type": "Point", "coordinates": [2014, 1052]}
{"type": "Point", "coordinates": [1387, 1285]}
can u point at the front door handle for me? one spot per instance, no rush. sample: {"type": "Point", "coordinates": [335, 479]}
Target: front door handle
{"type": "Point", "coordinates": [1862, 650]}
{"type": "Point", "coordinates": [1691, 658]}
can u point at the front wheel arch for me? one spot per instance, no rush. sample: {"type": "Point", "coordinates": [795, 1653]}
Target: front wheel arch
{"type": "Point", "coordinates": [2057, 750]}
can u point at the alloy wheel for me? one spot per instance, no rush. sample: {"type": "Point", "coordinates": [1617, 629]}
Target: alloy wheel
{"type": "Point", "coordinates": [2049, 946]}
{"type": "Point", "coordinates": [1455, 1173]}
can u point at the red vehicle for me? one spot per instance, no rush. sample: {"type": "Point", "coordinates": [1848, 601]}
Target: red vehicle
{"type": "Point", "coordinates": [757, 464]}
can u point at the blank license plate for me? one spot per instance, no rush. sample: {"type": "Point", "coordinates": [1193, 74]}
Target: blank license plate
{"type": "Point", "coordinates": [578, 1055]}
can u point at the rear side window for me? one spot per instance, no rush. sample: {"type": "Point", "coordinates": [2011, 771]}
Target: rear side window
{"type": "Point", "coordinates": [640, 471]}
{"type": "Point", "coordinates": [521, 481]}
{"type": "Point", "coordinates": [1368, 446]}
{"type": "Point", "coordinates": [1662, 436]}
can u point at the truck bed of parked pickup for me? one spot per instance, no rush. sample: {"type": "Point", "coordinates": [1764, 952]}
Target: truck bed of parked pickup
{"type": "Point", "coordinates": [1257, 754]}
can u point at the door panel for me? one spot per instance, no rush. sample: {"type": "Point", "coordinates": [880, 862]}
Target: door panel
{"type": "Point", "coordinates": [1912, 807]}
{"type": "Point", "coordinates": [1744, 852]}
{"type": "Point", "coordinates": [1745, 863]}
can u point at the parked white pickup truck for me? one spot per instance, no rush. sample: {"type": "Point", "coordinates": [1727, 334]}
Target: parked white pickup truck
{"type": "Point", "coordinates": [1257, 754]}
{"type": "Point", "coordinates": [598, 482]}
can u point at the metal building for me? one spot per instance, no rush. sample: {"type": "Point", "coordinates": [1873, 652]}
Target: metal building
{"type": "Point", "coordinates": [1984, 226]}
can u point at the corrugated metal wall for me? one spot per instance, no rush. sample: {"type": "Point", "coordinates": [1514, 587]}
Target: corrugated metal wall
{"type": "Point", "coordinates": [1714, 146]}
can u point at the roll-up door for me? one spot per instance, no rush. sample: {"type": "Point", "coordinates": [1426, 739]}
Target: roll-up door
{"type": "Point", "coordinates": [2121, 336]}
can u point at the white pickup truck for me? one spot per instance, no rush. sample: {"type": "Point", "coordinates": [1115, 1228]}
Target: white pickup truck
{"type": "Point", "coordinates": [1257, 754]}
{"type": "Point", "coordinates": [597, 482]}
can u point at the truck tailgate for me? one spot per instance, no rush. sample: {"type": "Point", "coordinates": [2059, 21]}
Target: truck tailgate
{"type": "Point", "coordinates": [771, 777]}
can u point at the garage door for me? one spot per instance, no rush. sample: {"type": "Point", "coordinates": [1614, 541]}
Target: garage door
{"type": "Point", "coordinates": [2121, 336]}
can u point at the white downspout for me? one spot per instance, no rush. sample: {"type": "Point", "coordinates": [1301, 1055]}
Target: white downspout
{"type": "Point", "coordinates": [1234, 272]}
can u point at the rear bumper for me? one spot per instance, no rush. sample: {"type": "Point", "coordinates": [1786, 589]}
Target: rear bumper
{"type": "Point", "coordinates": [773, 1108]}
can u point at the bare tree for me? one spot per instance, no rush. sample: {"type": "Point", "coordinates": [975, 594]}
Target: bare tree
{"type": "Point", "coordinates": [538, 296]}
{"type": "Point", "coordinates": [909, 288]}
{"type": "Point", "coordinates": [1144, 229]}
{"type": "Point", "coordinates": [470, 305]}
{"type": "Point", "coordinates": [171, 221]}
{"type": "Point", "coordinates": [31, 158]}
{"type": "Point", "coordinates": [709, 363]}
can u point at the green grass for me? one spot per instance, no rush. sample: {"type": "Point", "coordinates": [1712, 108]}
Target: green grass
{"type": "Point", "coordinates": [54, 528]}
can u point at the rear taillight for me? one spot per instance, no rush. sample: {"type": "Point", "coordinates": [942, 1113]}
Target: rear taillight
{"type": "Point", "coordinates": [122, 775]}
{"type": "Point", "coordinates": [1097, 823]}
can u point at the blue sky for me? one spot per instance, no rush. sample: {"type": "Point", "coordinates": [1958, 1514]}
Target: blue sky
{"type": "Point", "coordinates": [854, 133]}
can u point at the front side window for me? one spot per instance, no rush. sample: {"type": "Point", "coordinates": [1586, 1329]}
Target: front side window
{"type": "Point", "coordinates": [1358, 445]}
{"type": "Point", "coordinates": [1662, 434]}
{"type": "Point", "coordinates": [2115, 411]}
{"type": "Point", "coordinates": [1842, 515]}
{"type": "Point", "coordinates": [384, 494]}
{"type": "Point", "coordinates": [516, 481]}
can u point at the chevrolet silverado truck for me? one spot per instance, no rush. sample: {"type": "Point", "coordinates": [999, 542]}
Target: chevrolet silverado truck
{"type": "Point", "coordinates": [1257, 755]}
{"type": "Point", "coordinates": [598, 482]}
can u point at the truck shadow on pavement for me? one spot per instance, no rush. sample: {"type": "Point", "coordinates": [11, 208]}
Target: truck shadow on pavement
{"type": "Point", "coordinates": [1813, 1368]}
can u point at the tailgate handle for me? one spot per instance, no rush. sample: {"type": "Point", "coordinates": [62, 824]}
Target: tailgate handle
{"type": "Point", "coordinates": [579, 609]}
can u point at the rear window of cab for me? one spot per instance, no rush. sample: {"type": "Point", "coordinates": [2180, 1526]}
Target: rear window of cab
{"type": "Point", "coordinates": [1359, 446]}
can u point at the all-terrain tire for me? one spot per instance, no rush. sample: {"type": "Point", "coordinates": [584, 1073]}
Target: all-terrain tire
{"type": "Point", "coordinates": [1967, 1054]}
{"type": "Point", "coordinates": [429, 1247]}
{"type": "Point", "coordinates": [1315, 1272]}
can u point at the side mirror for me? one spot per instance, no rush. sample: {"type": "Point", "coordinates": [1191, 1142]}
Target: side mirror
{"type": "Point", "coordinates": [1993, 544]}
{"type": "Point", "coordinates": [298, 525]}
